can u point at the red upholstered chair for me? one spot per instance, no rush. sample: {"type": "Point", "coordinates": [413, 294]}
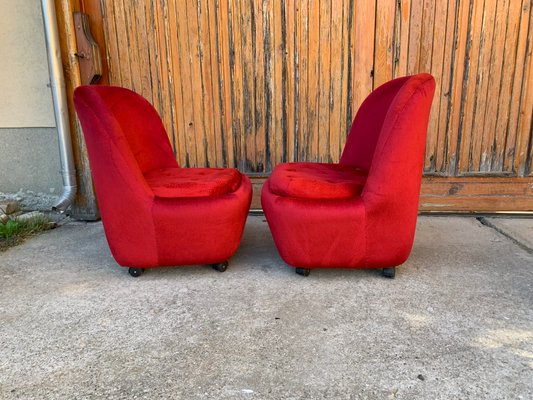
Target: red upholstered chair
{"type": "Point", "coordinates": [361, 212]}
{"type": "Point", "coordinates": [154, 212]}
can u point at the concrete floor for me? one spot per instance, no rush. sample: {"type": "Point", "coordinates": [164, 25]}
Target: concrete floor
{"type": "Point", "coordinates": [456, 323]}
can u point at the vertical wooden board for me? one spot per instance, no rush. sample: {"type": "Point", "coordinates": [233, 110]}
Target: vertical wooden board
{"type": "Point", "coordinates": [525, 122]}
{"type": "Point", "coordinates": [384, 37]}
{"type": "Point", "coordinates": [111, 37]}
{"type": "Point", "coordinates": [481, 154]}
{"type": "Point", "coordinates": [345, 100]}
{"type": "Point", "coordinates": [429, 34]}
{"type": "Point", "coordinates": [491, 138]}
{"type": "Point", "coordinates": [188, 151]}
{"type": "Point", "coordinates": [514, 43]}
{"type": "Point", "coordinates": [460, 79]}
{"type": "Point", "coordinates": [223, 21]}
{"type": "Point", "coordinates": [236, 65]}
{"type": "Point", "coordinates": [143, 37]}
{"type": "Point", "coordinates": [324, 81]}
{"type": "Point", "coordinates": [313, 93]}
{"type": "Point", "coordinates": [278, 134]}
{"type": "Point", "coordinates": [430, 60]}
{"type": "Point", "coordinates": [518, 135]}
{"type": "Point", "coordinates": [505, 116]}
{"type": "Point", "coordinates": [214, 85]}
{"type": "Point", "coordinates": [363, 52]}
{"type": "Point", "coordinates": [170, 88]}
{"type": "Point", "coordinates": [196, 67]}
{"type": "Point", "coordinates": [434, 148]}
{"type": "Point", "coordinates": [165, 70]}
{"type": "Point", "coordinates": [151, 54]}
{"type": "Point", "coordinates": [402, 38]}
{"type": "Point", "coordinates": [248, 116]}
{"type": "Point", "coordinates": [206, 80]}
{"type": "Point", "coordinates": [260, 105]}
{"type": "Point", "coordinates": [415, 37]}
{"type": "Point", "coordinates": [268, 54]}
{"type": "Point", "coordinates": [132, 33]}
{"type": "Point", "coordinates": [472, 87]}
{"type": "Point", "coordinates": [525, 165]}
{"type": "Point", "coordinates": [122, 46]}
{"type": "Point", "coordinates": [290, 69]}
{"type": "Point", "coordinates": [303, 79]}
{"type": "Point", "coordinates": [336, 115]}
{"type": "Point", "coordinates": [445, 81]}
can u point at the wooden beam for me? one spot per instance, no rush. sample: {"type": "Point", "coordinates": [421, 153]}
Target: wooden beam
{"type": "Point", "coordinates": [458, 194]}
{"type": "Point", "coordinates": [85, 206]}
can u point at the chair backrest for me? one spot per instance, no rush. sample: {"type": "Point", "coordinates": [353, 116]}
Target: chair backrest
{"type": "Point", "coordinates": [392, 190]}
{"type": "Point", "coordinates": [367, 124]}
{"type": "Point", "coordinates": [397, 162]}
{"type": "Point", "coordinates": [125, 139]}
{"type": "Point", "coordinates": [136, 121]}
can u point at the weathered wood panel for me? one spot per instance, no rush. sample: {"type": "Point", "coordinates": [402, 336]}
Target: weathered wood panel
{"type": "Point", "coordinates": [250, 84]}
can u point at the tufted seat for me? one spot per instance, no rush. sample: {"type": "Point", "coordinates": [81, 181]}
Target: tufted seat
{"type": "Point", "coordinates": [192, 182]}
{"type": "Point", "coordinates": [317, 180]}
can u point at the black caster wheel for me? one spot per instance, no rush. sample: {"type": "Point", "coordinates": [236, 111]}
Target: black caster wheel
{"type": "Point", "coordinates": [303, 271]}
{"type": "Point", "coordinates": [136, 272]}
{"type": "Point", "coordinates": [220, 267]}
{"type": "Point", "coordinates": [389, 272]}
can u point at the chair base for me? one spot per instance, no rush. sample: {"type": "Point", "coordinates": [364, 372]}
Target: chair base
{"type": "Point", "coordinates": [220, 267]}
{"type": "Point", "coordinates": [389, 272]}
{"type": "Point", "coordinates": [136, 272]}
{"type": "Point", "coordinates": [303, 271]}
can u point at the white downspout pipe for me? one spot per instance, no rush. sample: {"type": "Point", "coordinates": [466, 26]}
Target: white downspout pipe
{"type": "Point", "coordinates": [59, 96]}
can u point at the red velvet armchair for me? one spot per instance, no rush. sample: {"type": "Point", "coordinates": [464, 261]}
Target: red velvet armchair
{"type": "Point", "coordinates": [154, 212]}
{"type": "Point", "coordinates": [361, 212]}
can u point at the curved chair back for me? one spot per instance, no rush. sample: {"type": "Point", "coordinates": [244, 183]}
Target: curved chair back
{"type": "Point", "coordinates": [367, 124]}
{"type": "Point", "coordinates": [392, 190]}
{"type": "Point", "coordinates": [137, 120]}
{"type": "Point", "coordinates": [125, 139]}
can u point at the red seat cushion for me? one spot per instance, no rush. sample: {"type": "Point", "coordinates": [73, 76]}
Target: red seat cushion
{"type": "Point", "coordinates": [317, 180]}
{"type": "Point", "coordinates": [193, 182]}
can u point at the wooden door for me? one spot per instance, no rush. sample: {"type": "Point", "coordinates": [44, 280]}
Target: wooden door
{"type": "Point", "coordinates": [251, 84]}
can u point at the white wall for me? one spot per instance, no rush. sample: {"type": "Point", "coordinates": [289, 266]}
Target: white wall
{"type": "Point", "coordinates": [29, 155]}
{"type": "Point", "coordinates": [25, 95]}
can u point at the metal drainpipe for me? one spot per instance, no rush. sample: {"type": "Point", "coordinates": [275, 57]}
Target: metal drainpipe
{"type": "Point", "coordinates": [59, 96]}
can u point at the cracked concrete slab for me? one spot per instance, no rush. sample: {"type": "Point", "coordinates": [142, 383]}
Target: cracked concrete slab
{"type": "Point", "coordinates": [456, 323]}
{"type": "Point", "coordinates": [520, 229]}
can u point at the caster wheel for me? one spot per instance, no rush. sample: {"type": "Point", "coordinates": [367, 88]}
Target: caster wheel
{"type": "Point", "coordinates": [303, 271]}
{"type": "Point", "coordinates": [389, 272]}
{"type": "Point", "coordinates": [136, 272]}
{"type": "Point", "coordinates": [220, 267]}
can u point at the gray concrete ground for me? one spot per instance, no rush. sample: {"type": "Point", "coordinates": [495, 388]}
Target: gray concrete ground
{"type": "Point", "coordinates": [456, 323]}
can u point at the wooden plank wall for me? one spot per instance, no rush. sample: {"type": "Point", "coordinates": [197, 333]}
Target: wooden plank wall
{"type": "Point", "coordinates": [250, 84]}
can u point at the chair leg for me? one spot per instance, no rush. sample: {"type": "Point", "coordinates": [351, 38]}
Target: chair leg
{"type": "Point", "coordinates": [220, 267]}
{"type": "Point", "coordinates": [389, 272]}
{"type": "Point", "coordinates": [136, 272]}
{"type": "Point", "coordinates": [303, 271]}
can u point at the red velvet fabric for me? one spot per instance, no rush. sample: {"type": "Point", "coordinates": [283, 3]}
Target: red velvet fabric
{"type": "Point", "coordinates": [192, 182]}
{"type": "Point", "coordinates": [147, 219]}
{"type": "Point", "coordinates": [374, 229]}
{"type": "Point", "coordinates": [317, 180]}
